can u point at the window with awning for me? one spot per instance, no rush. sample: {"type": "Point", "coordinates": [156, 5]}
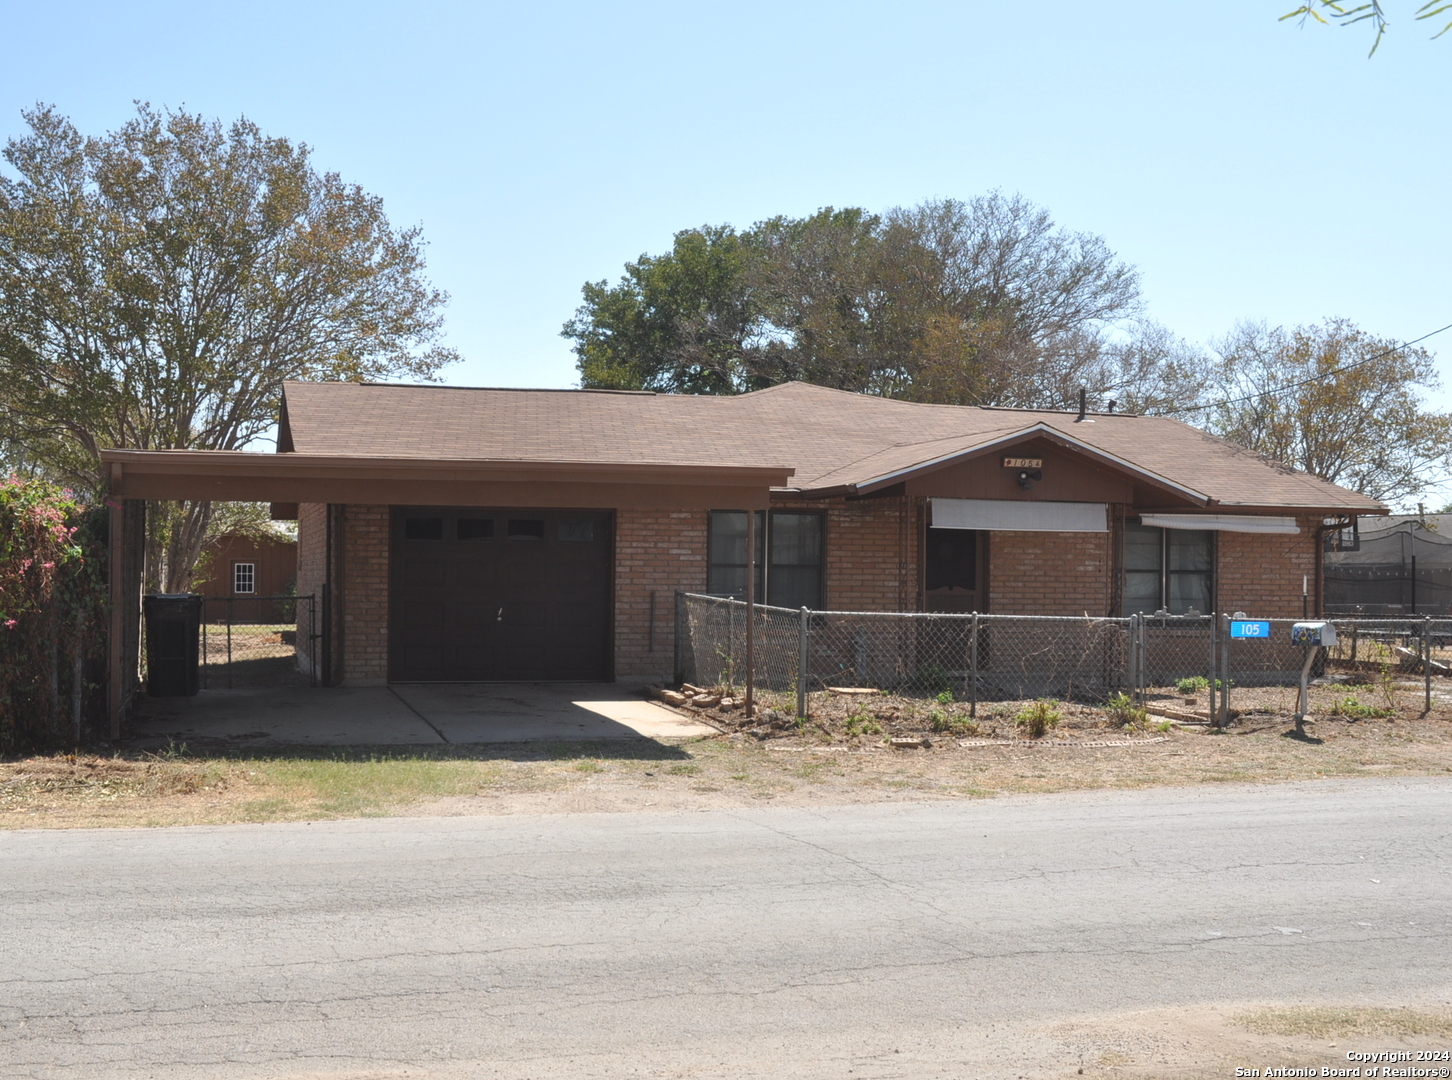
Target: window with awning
{"type": "Point", "coordinates": [1246, 523]}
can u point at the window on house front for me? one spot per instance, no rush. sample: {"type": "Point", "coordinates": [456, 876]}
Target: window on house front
{"type": "Point", "coordinates": [1167, 568]}
{"type": "Point", "coordinates": [791, 576]}
{"type": "Point", "coordinates": [244, 577]}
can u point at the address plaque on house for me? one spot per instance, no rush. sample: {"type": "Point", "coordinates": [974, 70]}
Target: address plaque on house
{"type": "Point", "coordinates": [1023, 463]}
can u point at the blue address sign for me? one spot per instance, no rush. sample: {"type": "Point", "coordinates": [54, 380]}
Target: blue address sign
{"type": "Point", "coordinates": [1250, 628]}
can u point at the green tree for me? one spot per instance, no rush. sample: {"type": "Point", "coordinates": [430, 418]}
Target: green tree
{"type": "Point", "coordinates": [1336, 402]}
{"type": "Point", "coordinates": [681, 322]}
{"type": "Point", "coordinates": [1370, 12]}
{"type": "Point", "coordinates": [158, 283]}
{"type": "Point", "coordinates": [983, 302]}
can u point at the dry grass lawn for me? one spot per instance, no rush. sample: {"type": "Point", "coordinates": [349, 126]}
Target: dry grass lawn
{"type": "Point", "coordinates": [800, 767]}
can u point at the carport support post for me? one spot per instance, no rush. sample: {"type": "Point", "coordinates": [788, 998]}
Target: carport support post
{"type": "Point", "coordinates": [113, 659]}
{"type": "Point", "coordinates": [750, 613]}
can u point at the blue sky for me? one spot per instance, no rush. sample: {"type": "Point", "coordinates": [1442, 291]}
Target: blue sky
{"type": "Point", "coordinates": [1251, 170]}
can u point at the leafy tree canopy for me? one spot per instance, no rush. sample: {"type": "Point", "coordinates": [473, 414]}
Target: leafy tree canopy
{"type": "Point", "coordinates": [979, 302]}
{"type": "Point", "coordinates": [1334, 401]}
{"type": "Point", "coordinates": [1326, 12]}
{"type": "Point", "coordinates": [158, 283]}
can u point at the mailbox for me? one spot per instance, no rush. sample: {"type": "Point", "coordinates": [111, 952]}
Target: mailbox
{"type": "Point", "coordinates": [1313, 633]}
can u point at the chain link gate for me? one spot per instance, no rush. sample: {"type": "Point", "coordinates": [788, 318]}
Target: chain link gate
{"type": "Point", "coordinates": [259, 641]}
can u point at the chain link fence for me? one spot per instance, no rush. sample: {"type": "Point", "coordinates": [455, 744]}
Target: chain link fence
{"type": "Point", "coordinates": [258, 641]}
{"type": "Point", "coordinates": [1017, 657]}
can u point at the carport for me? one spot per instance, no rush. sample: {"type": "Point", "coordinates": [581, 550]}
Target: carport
{"type": "Point", "coordinates": [426, 491]}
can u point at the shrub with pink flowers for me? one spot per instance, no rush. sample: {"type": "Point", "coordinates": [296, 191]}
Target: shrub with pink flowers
{"type": "Point", "coordinates": [52, 615]}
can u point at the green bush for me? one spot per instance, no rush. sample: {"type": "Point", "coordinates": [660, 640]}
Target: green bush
{"type": "Point", "coordinates": [1123, 712]}
{"type": "Point", "coordinates": [1038, 717]}
{"type": "Point", "coordinates": [934, 679]}
{"type": "Point", "coordinates": [52, 613]}
{"type": "Point", "coordinates": [946, 723]}
{"type": "Point", "coordinates": [1351, 707]}
{"type": "Point", "coordinates": [862, 722]}
{"type": "Point", "coordinates": [1192, 686]}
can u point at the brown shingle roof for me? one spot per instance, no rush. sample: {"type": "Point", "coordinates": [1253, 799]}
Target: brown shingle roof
{"type": "Point", "coordinates": [831, 438]}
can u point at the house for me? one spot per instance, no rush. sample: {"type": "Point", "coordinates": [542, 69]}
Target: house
{"type": "Point", "coordinates": [1398, 565]}
{"type": "Point", "coordinates": [244, 567]}
{"type": "Point", "coordinates": [460, 534]}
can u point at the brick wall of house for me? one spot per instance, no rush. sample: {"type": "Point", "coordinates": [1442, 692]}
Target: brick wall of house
{"type": "Point", "coordinates": [873, 564]}
{"type": "Point", "coordinates": [364, 589]}
{"type": "Point", "coordinates": [872, 553]}
{"type": "Point", "coordinates": [312, 567]}
{"type": "Point", "coordinates": [1044, 573]}
{"type": "Point", "coordinates": [1260, 573]}
{"type": "Point", "coordinates": [660, 552]}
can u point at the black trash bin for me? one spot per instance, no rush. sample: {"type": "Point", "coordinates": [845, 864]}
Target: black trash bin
{"type": "Point", "coordinates": [173, 622]}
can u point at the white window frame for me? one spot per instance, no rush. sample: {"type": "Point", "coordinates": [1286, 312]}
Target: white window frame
{"type": "Point", "coordinates": [251, 578]}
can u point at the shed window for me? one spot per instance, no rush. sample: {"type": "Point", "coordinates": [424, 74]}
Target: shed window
{"type": "Point", "coordinates": [244, 577]}
{"type": "Point", "coordinates": [475, 528]}
{"type": "Point", "coordinates": [423, 528]}
{"type": "Point", "coordinates": [1167, 568]}
{"type": "Point", "coordinates": [792, 574]}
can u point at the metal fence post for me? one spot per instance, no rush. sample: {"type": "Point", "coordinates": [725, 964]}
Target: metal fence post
{"type": "Point", "coordinates": [206, 682]}
{"type": "Point", "coordinates": [1225, 676]}
{"type": "Point", "coordinates": [313, 639]}
{"type": "Point", "coordinates": [229, 643]}
{"type": "Point", "coordinates": [731, 643]}
{"type": "Point", "coordinates": [803, 665]}
{"type": "Point", "coordinates": [679, 674]}
{"type": "Point", "coordinates": [973, 670]}
{"type": "Point", "coordinates": [1427, 659]}
{"type": "Point", "coordinates": [1131, 658]}
{"type": "Point", "coordinates": [1214, 619]}
{"type": "Point", "coordinates": [1144, 675]}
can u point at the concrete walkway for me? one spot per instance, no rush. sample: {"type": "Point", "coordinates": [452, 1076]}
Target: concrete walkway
{"type": "Point", "coordinates": [410, 715]}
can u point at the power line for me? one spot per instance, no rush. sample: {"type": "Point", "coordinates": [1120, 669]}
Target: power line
{"type": "Point", "coordinates": [1312, 379]}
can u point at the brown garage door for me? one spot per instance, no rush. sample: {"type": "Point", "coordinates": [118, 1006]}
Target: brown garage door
{"type": "Point", "coordinates": [483, 594]}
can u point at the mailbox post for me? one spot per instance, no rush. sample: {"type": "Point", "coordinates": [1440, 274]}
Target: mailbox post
{"type": "Point", "coordinates": [1312, 636]}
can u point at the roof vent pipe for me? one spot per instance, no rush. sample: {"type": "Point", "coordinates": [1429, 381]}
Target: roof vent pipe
{"type": "Point", "coordinates": [1080, 418]}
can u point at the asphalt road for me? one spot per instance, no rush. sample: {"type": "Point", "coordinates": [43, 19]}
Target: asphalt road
{"type": "Point", "coordinates": [881, 940]}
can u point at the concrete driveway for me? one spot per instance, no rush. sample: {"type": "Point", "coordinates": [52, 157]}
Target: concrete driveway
{"type": "Point", "coordinates": [410, 715]}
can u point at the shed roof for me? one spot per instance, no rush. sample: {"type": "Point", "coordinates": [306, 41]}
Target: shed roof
{"type": "Point", "coordinates": [832, 439]}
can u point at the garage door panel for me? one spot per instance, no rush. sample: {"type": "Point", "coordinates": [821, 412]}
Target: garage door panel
{"type": "Point", "coordinates": [474, 617]}
{"type": "Point", "coordinates": [548, 572]}
{"type": "Point", "coordinates": [416, 617]}
{"type": "Point", "coordinates": [424, 570]}
{"type": "Point", "coordinates": [474, 570]}
{"type": "Point", "coordinates": [526, 615]}
{"type": "Point", "coordinates": [574, 616]}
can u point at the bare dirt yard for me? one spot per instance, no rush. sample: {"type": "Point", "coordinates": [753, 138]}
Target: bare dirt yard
{"type": "Point", "coordinates": [854, 748]}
